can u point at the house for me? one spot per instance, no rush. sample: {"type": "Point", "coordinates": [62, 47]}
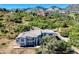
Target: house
{"type": "Point", "coordinates": [32, 37]}
{"type": "Point", "coordinates": [40, 12]}
{"type": "Point", "coordinates": [47, 32]}
{"type": "Point", "coordinates": [49, 11]}
{"type": "Point", "coordinates": [29, 38]}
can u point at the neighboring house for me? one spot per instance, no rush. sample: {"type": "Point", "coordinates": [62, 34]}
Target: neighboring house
{"type": "Point", "coordinates": [49, 11]}
{"type": "Point", "coordinates": [40, 12]}
{"type": "Point", "coordinates": [32, 38]}
{"type": "Point", "coordinates": [62, 11]}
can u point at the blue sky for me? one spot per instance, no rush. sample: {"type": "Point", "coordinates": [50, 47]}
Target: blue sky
{"type": "Point", "coordinates": [10, 6]}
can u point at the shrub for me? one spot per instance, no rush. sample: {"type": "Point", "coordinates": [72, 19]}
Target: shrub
{"type": "Point", "coordinates": [51, 45]}
{"type": "Point", "coordinates": [16, 19]}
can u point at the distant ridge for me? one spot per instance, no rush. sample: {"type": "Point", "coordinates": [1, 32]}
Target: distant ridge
{"type": "Point", "coordinates": [73, 7]}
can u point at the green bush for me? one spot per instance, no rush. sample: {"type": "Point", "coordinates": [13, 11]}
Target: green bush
{"type": "Point", "coordinates": [22, 28]}
{"type": "Point", "coordinates": [16, 19]}
{"type": "Point", "coordinates": [74, 35]}
{"type": "Point", "coordinates": [54, 46]}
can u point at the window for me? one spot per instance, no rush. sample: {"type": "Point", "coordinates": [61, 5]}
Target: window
{"type": "Point", "coordinates": [22, 40]}
{"type": "Point", "coordinates": [22, 44]}
{"type": "Point", "coordinates": [50, 34]}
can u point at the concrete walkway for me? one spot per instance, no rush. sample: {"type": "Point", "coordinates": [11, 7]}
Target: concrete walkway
{"type": "Point", "coordinates": [62, 38]}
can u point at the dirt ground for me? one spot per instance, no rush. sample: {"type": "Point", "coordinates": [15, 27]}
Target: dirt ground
{"type": "Point", "coordinates": [12, 48]}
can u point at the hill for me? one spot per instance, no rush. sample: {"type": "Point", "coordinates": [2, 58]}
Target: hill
{"type": "Point", "coordinates": [73, 7]}
{"type": "Point", "coordinates": [15, 21]}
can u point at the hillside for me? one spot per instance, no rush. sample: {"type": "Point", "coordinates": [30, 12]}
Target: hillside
{"type": "Point", "coordinates": [15, 21]}
{"type": "Point", "coordinates": [73, 7]}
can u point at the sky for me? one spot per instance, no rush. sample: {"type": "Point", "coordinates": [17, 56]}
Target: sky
{"type": "Point", "coordinates": [10, 6]}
